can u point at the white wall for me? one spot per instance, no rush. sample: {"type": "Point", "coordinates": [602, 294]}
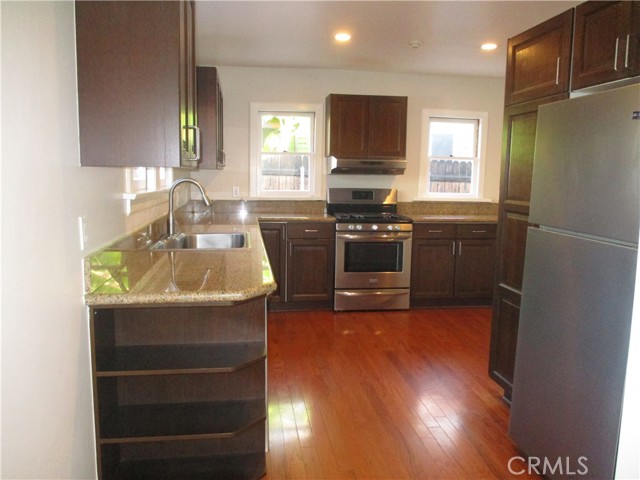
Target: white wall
{"type": "Point", "coordinates": [47, 417]}
{"type": "Point", "coordinates": [242, 85]}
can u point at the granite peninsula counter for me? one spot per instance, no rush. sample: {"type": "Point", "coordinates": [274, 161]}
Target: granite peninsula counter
{"type": "Point", "coordinates": [128, 273]}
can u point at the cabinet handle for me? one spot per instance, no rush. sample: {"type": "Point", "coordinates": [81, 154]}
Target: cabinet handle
{"type": "Point", "coordinates": [310, 230]}
{"type": "Point", "coordinates": [291, 249]}
{"type": "Point", "coordinates": [615, 58]}
{"type": "Point", "coordinates": [435, 231]}
{"type": "Point", "coordinates": [453, 249]}
{"type": "Point", "coordinates": [459, 248]}
{"type": "Point", "coordinates": [196, 131]}
{"type": "Point", "coordinates": [478, 231]}
{"type": "Point", "coordinates": [626, 52]}
{"type": "Point", "coordinates": [558, 71]}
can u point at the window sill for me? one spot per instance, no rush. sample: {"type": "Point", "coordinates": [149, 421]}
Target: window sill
{"type": "Point", "coordinates": [135, 201]}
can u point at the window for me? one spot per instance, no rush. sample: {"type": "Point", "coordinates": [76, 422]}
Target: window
{"type": "Point", "coordinates": [284, 163]}
{"type": "Point", "coordinates": [143, 179]}
{"type": "Point", "coordinates": [452, 159]}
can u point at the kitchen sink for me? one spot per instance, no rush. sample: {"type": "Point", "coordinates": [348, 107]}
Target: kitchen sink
{"type": "Point", "coordinates": [202, 241]}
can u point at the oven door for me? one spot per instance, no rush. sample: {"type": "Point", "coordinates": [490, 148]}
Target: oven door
{"type": "Point", "coordinates": [373, 260]}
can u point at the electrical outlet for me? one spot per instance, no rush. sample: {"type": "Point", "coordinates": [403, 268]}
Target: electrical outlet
{"type": "Point", "coordinates": [84, 237]}
{"type": "Point", "coordinates": [235, 192]}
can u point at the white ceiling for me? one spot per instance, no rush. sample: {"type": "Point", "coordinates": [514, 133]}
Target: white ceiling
{"type": "Point", "coordinates": [300, 34]}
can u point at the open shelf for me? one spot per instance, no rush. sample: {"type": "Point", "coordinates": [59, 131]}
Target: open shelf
{"type": "Point", "coordinates": [167, 359]}
{"type": "Point", "coordinates": [228, 467]}
{"type": "Point", "coordinates": [180, 391]}
{"type": "Point", "coordinates": [206, 419]}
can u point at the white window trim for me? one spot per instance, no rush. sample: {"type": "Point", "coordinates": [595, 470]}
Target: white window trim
{"type": "Point", "coordinates": [316, 173]}
{"type": "Point", "coordinates": [479, 173]}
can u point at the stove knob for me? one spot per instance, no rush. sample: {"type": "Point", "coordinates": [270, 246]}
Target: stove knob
{"type": "Point", "coordinates": [358, 227]}
{"type": "Point", "coordinates": [397, 227]}
{"type": "Point", "coordinates": [351, 227]}
{"type": "Point", "coordinates": [374, 227]}
{"type": "Point", "coordinates": [389, 227]}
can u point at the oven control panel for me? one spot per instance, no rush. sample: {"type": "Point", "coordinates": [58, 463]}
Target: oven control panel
{"type": "Point", "coordinates": [374, 227]}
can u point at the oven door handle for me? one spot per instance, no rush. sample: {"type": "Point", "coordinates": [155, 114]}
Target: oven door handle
{"type": "Point", "coordinates": [368, 293]}
{"type": "Point", "coordinates": [376, 236]}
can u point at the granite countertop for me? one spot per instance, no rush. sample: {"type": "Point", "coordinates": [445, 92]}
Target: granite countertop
{"type": "Point", "coordinates": [455, 218]}
{"type": "Point", "coordinates": [127, 273]}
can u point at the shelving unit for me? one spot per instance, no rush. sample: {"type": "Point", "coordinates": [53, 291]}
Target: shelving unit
{"type": "Point", "coordinates": [180, 391]}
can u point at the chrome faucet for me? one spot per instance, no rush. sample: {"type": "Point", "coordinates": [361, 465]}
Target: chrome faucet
{"type": "Point", "coordinates": [205, 199]}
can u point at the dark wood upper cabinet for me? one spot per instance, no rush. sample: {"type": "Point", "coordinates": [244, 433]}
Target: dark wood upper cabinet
{"type": "Point", "coordinates": [210, 118]}
{"type": "Point", "coordinates": [607, 42]}
{"type": "Point", "coordinates": [136, 83]}
{"type": "Point", "coordinates": [366, 126]}
{"type": "Point", "coordinates": [539, 60]}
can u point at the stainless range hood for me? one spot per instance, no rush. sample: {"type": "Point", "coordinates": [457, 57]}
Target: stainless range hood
{"type": "Point", "coordinates": [366, 166]}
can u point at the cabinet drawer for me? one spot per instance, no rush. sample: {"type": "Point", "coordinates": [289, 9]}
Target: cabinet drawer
{"type": "Point", "coordinates": [434, 230]}
{"type": "Point", "coordinates": [310, 230]}
{"type": "Point", "coordinates": [476, 230]}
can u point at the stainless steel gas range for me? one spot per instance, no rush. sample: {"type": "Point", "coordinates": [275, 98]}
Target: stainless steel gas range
{"type": "Point", "coordinates": [373, 249]}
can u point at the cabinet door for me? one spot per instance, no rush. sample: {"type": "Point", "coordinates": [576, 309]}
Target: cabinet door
{"type": "Point", "coordinates": [606, 43]}
{"type": "Point", "coordinates": [347, 132]}
{"type": "Point", "coordinates": [388, 127]}
{"type": "Point", "coordinates": [475, 264]}
{"type": "Point", "coordinates": [132, 67]}
{"type": "Point", "coordinates": [209, 114]}
{"type": "Point", "coordinates": [310, 270]}
{"type": "Point", "coordinates": [539, 60]}
{"type": "Point", "coordinates": [189, 145]}
{"type": "Point", "coordinates": [274, 239]}
{"type": "Point", "coordinates": [504, 336]}
{"type": "Point", "coordinates": [432, 268]}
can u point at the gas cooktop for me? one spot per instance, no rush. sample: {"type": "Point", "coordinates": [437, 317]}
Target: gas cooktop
{"type": "Point", "coordinates": [371, 217]}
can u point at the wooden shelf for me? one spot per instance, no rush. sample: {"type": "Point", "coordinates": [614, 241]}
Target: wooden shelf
{"type": "Point", "coordinates": [204, 419]}
{"type": "Point", "coordinates": [177, 359]}
{"type": "Point", "coordinates": [180, 391]}
{"type": "Point", "coordinates": [245, 466]}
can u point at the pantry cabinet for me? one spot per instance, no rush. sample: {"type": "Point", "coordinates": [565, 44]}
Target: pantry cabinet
{"type": "Point", "coordinates": [302, 258]}
{"type": "Point", "coordinates": [136, 83]}
{"type": "Point", "coordinates": [607, 42]}
{"type": "Point", "coordinates": [180, 391]}
{"type": "Point", "coordinates": [366, 126]}
{"type": "Point", "coordinates": [518, 144]}
{"type": "Point", "coordinates": [539, 60]}
{"type": "Point", "coordinates": [452, 264]}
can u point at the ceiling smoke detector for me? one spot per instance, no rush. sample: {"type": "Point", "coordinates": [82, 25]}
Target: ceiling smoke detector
{"type": "Point", "coordinates": [415, 43]}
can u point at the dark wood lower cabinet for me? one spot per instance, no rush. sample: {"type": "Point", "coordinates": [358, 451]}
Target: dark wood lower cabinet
{"type": "Point", "coordinates": [452, 264]}
{"type": "Point", "coordinates": [180, 391]}
{"type": "Point", "coordinates": [310, 268]}
{"type": "Point", "coordinates": [302, 258]}
{"type": "Point", "coordinates": [274, 238]}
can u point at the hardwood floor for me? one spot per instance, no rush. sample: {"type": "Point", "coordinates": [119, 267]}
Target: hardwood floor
{"type": "Point", "coordinates": [385, 395]}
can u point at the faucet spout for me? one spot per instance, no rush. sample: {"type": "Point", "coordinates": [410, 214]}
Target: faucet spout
{"type": "Point", "coordinates": [205, 199]}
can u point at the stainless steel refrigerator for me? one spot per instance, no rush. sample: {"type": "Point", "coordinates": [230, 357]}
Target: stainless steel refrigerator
{"type": "Point", "coordinates": [578, 287]}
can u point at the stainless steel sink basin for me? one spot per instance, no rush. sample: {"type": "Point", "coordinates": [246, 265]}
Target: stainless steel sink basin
{"type": "Point", "coordinates": [202, 241]}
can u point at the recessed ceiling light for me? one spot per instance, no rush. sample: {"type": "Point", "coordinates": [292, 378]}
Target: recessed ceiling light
{"type": "Point", "coordinates": [415, 43]}
{"type": "Point", "coordinates": [489, 46]}
{"type": "Point", "coordinates": [342, 37]}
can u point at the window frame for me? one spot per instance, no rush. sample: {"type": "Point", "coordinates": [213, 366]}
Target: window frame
{"type": "Point", "coordinates": [316, 173]}
{"type": "Point", "coordinates": [478, 177]}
